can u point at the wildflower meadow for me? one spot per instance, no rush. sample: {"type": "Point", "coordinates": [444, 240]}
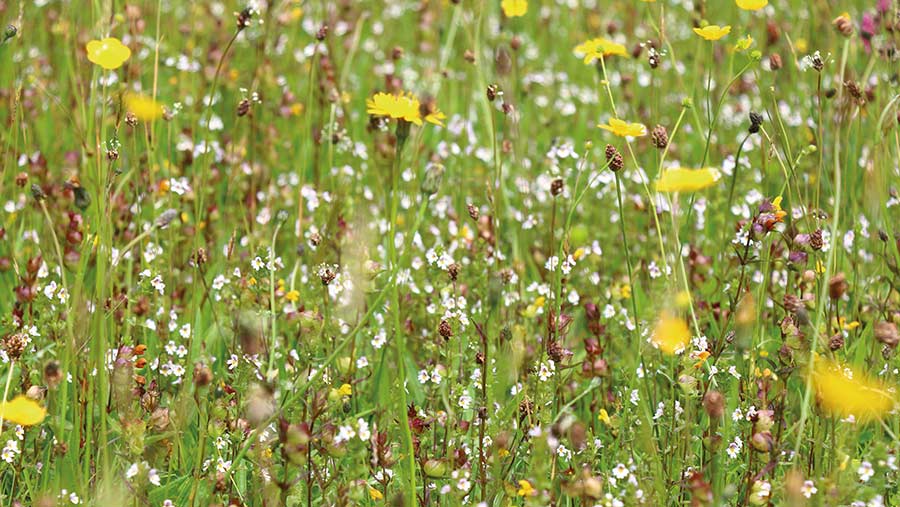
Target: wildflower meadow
{"type": "Point", "coordinates": [489, 253]}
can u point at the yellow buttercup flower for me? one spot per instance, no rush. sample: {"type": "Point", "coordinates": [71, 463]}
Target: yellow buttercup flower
{"type": "Point", "coordinates": [143, 107]}
{"type": "Point", "coordinates": [514, 8]}
{"type": "Point", "coordinates": [594, 49]}
{"type": "Point", "coordinates": [525, 488]}
{"type": "Point", "coordinates": [713, 32]}
{"type": "Point", "coordinates": [345, 390]}
{"type": "Point", "coordinates": [671, 334]}
{"type": "Point", "coordinates": [843, 391]}
{"type": "Point", "coordinates": [403, 106]}
{"type": "Point", "coordinates": [374, 494]}
{"type": "Point", "coordinates": [752, 5]}
{"type": "Point", "coordinates": [108, 53]}
{"type": "Point", "coordinates": [680, 179]}
{"type": "Point", "coordinates": [623, 128]}
{"type": "Point", "coordinates": [22, 410]}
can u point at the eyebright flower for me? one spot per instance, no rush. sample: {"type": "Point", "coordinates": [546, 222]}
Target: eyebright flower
{"type": "Point", "coordinates": [22, 410]}
{"type": "Point", "coordinates": [594, 49]}
{"type": "Point", "coordinates": [680, 179]}
{"type": "Point", "coordinates": [108, 53]}
{"type": "Point", "coordinates": [623, 128]}
{"type": "Point", "coordinates": [713, 32]}
{"type": "Point", "coordinates": [671, 333]}
{"type": "Point", "coordinates": [752, 5]}
{"type": "Point", "coordinates": [514, 8]}
{"type": "Point", "coordinates": [845, 392]}
{"type": "Point", "coordinates": [403, 106]}
{"type": "Point", "coordinates": [143, 107]}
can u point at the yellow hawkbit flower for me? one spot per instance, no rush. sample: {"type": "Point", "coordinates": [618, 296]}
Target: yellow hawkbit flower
{"type": "Point", "coordinates": [374, 494]}
{"type": "Point", "coordinates": [514, 8]}
{"type": "Point", "coordinates": [293, 296]}
{"type": "Point", "coordinates": [671, 334]}
{"type": "Point", "coordinates": [23, 411]}
{"type": "Point", "coordinates": [594, 49]}
{"type": "Point", "coordinates": [623, 128]}
{"type": "Point", "coordinates": [525, 488]}
{"type": "Point", "coordinates": [403, 106]}
{"type": "Point", "coordinates": [143, 107]}
{"type": "Point", "coordinates": [345, 390]}
{"type": "Point", "coordinates": [713, 32]}
{"type": "Point", "coordinates": [680, 179]}
{"type": "Point", "coordinates": [752, 5]}
{"type": "Point", "coordinates": [844, 392]}
{"type": "Point", "coordinates": [108, 53]}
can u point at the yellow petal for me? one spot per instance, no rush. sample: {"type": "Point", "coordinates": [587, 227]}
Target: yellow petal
{"type": "Point", "coordinates": [713, 32]}
{"type": "Point", "coordinates": [108, 53]}
{"type": "Point", "coordinates": [680, 179]}
{"type": "Point", "coordinates": [143, 107]}
{"type": "Point", "coordinates": [844, 392]}
{"type": "Point", "coordinates": [22, 410]}
{"type": "Point", "coordinates": [514, 8]}
{"type": "Point", "coordinates": [752, 5]}
{"type": "Point", "coordinates": [671, 334]}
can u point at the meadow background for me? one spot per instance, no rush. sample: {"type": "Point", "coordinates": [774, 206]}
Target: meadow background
{"type": "Point", "coordinates": [567, 253]}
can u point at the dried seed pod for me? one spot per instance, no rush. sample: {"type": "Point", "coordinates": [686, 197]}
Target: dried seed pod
{"type": "Point", "coordinates": [838, 286]}
{"type": "Point", "coordinates": [444, 329]}
{"type": "Point", "coordinates": [659, 137]}
{"type": "Point", "coordinates": [714, 404]}
{"type": "Point", "coordinates": [886, 333]}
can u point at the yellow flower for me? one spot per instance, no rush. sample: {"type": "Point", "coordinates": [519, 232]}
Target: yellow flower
{"type": "Point", "coordinates": [403, 106]}
{"type": "Point", "coordinates": [525, 488]}
{"type": "Point", "coordinates": [603, 417]}
{"type": "Point", "coordinates": [514, 8]}
{"type": "Point", "coordinates": [624, 129]}
{"type": "Point", "coordinates": [671, 334]}
{"type": "Point", "coordinates": [143, 107]}
{"type": "Point", "coordinates": [374, 494]}
{"type": "Point", "coordinates": [23, 411]}
{"type": "Point", "coordinates": [701, 359]}
{"type": "Point", "coordinates": [779, 213]}
{"type": "Point", "coordinates": [593, 49]}
{"type": "Point", "coordinates": [345, 390]}
{"type": "Point", "coordinates": [680, 179]}
{"type": "Point", "coordinates": [108, 53]}
{"type": "Point", "coordinates": [752, 5]}
{"type": "Point", "coordinates": [713, 32]}
{"type": "Point", "coordinates": [436, 118]}
{"type": "Point", "coordinates": [292, 296]}
{"type": "Point", "coordinates": [844, 392]}
{"type": "Point", "coordinates": [743, 44]}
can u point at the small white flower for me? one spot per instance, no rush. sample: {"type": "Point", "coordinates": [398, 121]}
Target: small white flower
{"type": "Point", "coordinates": [865, 471]}
{"type": "Point", "coordinates": [620, 471]}
{"type": "Point", "coordinates": [808, 489]}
